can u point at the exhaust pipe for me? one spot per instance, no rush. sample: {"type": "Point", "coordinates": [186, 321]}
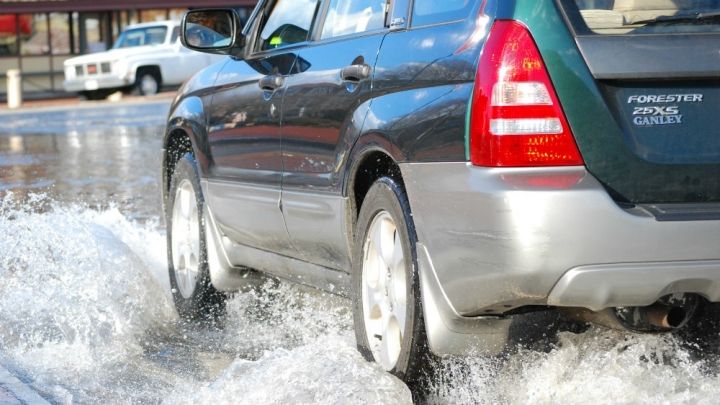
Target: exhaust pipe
{"type": "Point", "coordinates": [668, 313]}
{"type": "Point", "coordinates": [663, 317]}
{"type": "Point", "coordinates": [655, 318]}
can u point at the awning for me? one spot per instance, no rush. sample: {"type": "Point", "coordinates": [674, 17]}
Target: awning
{"type": "Point", "coordinates": [9, 25]}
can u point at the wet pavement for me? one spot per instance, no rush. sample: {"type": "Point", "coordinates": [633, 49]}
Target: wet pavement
{"type": "Point", "coordinates": [94, 155]}
{"type": "Point", "coordinates": [86, 316]}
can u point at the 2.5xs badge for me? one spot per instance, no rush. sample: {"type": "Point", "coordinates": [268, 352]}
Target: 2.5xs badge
{"type": "Point", "coordinates": [662, 114]}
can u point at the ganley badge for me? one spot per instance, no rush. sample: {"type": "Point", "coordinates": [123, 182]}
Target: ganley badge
{"type": "Point", "coordinates": [646, 115]}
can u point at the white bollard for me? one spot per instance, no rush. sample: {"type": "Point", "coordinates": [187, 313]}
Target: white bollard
{"type": "Point", "coordinates": [14, 88]}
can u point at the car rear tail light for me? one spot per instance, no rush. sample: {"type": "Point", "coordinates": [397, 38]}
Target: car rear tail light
{"type": "Point", "coordinates": [517, 120]}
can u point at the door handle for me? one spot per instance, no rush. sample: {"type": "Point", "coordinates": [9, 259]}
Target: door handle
{"type": "Point", "coordinates": [355, 73]}
{"type": "Point", "coordinates": [271, 83]}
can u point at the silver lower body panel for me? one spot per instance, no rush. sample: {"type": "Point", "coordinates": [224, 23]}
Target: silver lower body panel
{"type": "Point", "coordinates": [499, 239]}
{"type": "Point", "coordinates": [635, 284]}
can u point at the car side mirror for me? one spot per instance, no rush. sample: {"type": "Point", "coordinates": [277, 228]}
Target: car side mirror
{"type": "Point", "coordinates": [217, 31]}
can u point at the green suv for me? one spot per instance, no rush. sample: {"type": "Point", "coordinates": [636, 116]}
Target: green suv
{"type": "Point", "coordinates": [450, 165]}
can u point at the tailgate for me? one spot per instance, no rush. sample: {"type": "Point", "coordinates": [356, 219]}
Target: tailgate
{"type": "Point", "coordinates": [647, 117]}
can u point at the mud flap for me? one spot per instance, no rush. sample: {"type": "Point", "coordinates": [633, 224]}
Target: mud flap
{"type": "Point", "coordinates": [449, 333]}
{"type": "Point", "coordinates": [224, 276]}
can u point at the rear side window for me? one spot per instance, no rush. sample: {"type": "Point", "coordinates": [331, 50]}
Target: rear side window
{"type": "Point", "coordinates": [426, 12]}
{"type": "Point", "coordinates": [346, 17]}
{"type": "Point", "coordinates": [289, 23]}
{"type": "Point", "coordinates": [628, 17]}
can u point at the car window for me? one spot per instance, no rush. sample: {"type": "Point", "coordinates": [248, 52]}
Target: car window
{"type": "Point", "coordinates": [427, 12]}
{"type": "Point", "coordinates": [353, 16]}
{"type": "Point", "coordinates": [610, 17]}
{"type": "Point", "coordinates": [141, 36]}
{"type": "Point", "coordinates": [289, 23]}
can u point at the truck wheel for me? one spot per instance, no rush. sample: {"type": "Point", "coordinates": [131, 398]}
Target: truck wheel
{"type": "Point", "coordinates": [387, 308]}
{"type": "Point", "coordinates": [193, 293]}
{"type": "Point", "coordinates": [94, 94]}
{"type": "Point", "coordinates": [147, 83]}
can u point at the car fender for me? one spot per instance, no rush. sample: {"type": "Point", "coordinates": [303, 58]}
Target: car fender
{"type": "Point", "coordinates": [375, 135]}
{"type": "Point", "coordinates": [188, 116]}
{"type": "Point", "coordinates": [369, 142]}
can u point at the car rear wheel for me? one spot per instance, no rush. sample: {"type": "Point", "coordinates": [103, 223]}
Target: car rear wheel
{"type": "Point", "coordinates": [95, 94]}
{"type": "Point", "coordinates": [387, 308]}
{"type": "Point", "coordinates": [192, 290]}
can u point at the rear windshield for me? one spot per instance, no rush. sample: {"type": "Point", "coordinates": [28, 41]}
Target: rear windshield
{"type": "Point", "coordinates": [623, 17]}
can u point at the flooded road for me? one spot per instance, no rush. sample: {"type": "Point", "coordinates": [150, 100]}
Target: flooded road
{"type": "Point", "coordinates": [109, 154]}
{"type": "Point", "coordinates": [86, 316]}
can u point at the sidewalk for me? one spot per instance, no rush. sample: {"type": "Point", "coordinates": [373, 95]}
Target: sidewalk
{"type": "Point", "coordinates": [14, 392]}
{"type": "Point", "coordinates": [77, 101]}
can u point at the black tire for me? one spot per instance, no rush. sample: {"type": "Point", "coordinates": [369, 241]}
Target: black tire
{"type": "Point", "coordinates": [152, 77]}
{"type": "Point", "coordinates": [94, 95]}
{"type": "Point", "coordinates": [414, 361]}
{"type": "Point", "coordinates": [206, 302]}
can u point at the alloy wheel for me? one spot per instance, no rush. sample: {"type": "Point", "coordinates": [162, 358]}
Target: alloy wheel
{"type": "Point", "coordinates": [384, 290]}
{"type": "Point", "coordinates": [185, 239]}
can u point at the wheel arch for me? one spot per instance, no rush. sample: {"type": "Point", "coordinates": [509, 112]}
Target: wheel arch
{"type": "Point", "coordinates": [156, 70]}
{"type": "Point", "coordinates": [177, 143]}
{"type": "Point", "coordinates": [372, 158]}
{"type": "Point", "coordinates": [185, 133]}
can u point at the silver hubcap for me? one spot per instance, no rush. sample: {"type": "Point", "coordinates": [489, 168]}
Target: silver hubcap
{"type": "Point", "coordinates": [384, 290]}
{"type": "Point", "coordinates": [148, 85]}
{"type": "Point", "coordinates": [185, 239]}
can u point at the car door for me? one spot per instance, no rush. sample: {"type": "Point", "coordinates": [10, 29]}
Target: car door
{"type": "Point", "coordinates": [244, 128]}
{"type": "Point", "coordinates": [323, 110]}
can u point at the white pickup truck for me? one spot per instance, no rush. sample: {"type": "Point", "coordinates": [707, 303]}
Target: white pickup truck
{"type": "Point", "coordinates": [144, 58]}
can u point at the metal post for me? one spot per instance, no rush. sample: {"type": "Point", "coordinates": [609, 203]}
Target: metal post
{"type": "Point", "coordinates": [14, 88]}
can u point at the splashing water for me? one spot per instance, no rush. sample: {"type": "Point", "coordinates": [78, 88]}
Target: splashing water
{"type": "Point", "coordinates": [597, 367]}
{"type": "Point", "coordinates": [302, 350]}
{"type": "Point", "coordinates": [77, 287]}
{"type": "Point", "coordinates": [327, 372]}
{"type": "Point", "coordinates": [85, 316]}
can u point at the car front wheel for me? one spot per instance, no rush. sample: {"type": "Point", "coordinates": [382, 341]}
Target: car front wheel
{"type": "Point", "coordinates": [387, 308]}
{"type": "Point", "coordinates": [193, 293]}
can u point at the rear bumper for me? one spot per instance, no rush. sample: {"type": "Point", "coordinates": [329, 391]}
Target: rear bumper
{"type": "Point", "coordinates": [634, 284]}
{"type": "Point", "coordinates": [499, 239]}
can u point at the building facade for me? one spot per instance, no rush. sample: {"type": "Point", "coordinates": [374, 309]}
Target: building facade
{"type": "Point", "coordinates": [37, 37]}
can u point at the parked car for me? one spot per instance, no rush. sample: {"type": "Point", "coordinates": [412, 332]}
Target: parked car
{"type": "Point", "coordinates": [452, 165]}
{"type": "Point", "coordinates": [144, 58]}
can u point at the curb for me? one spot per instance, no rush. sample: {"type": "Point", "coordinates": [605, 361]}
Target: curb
{"type": "Point", "coordinates": [14, 392]}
